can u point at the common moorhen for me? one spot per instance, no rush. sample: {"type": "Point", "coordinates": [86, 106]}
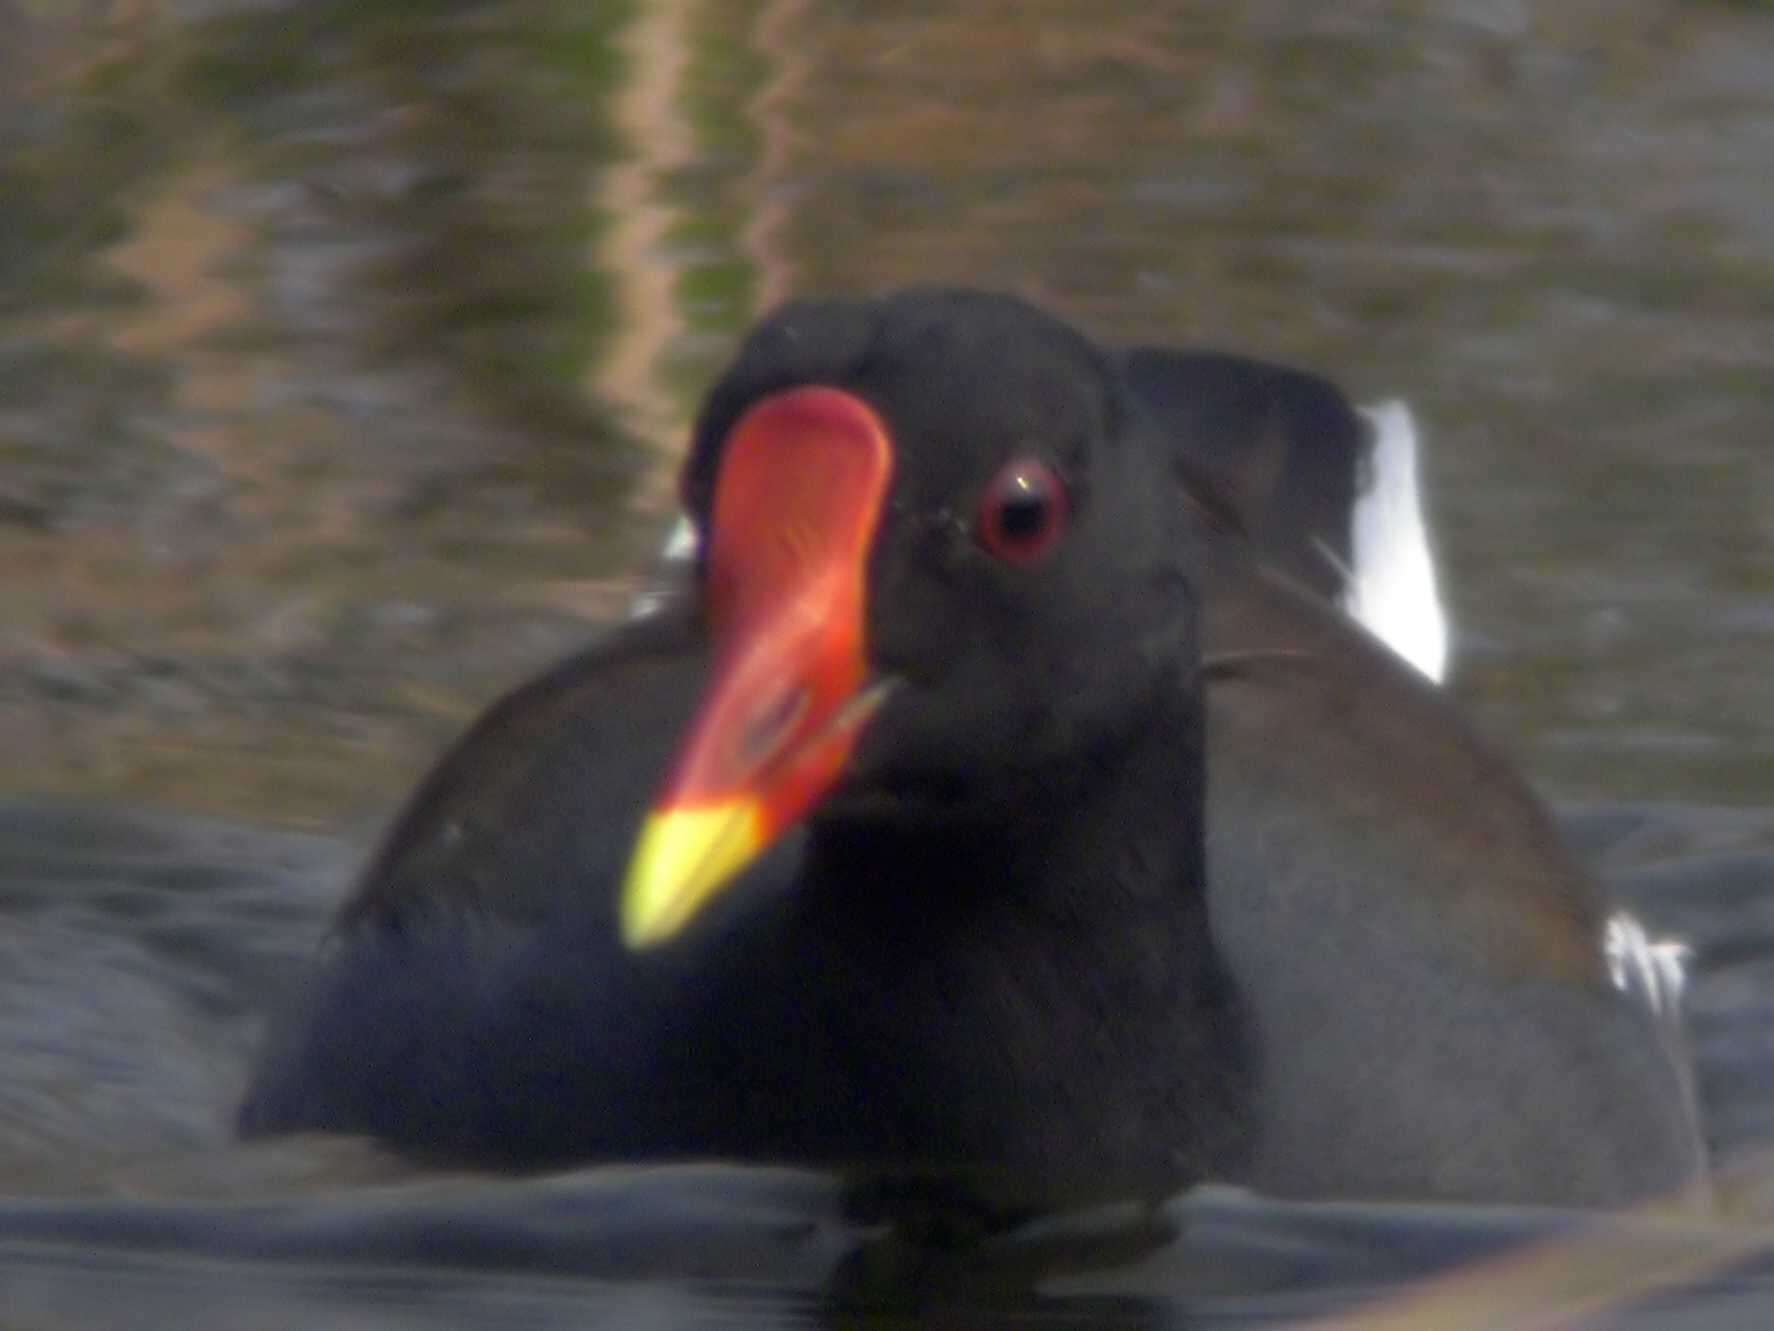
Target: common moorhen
{"type": "Point", "coordinates": [923, 878]}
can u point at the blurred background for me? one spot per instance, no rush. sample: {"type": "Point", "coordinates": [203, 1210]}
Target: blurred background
{"type": "Point", "coordinates": [346, 346]}
{"type": "Point", "coordinates": [346, 351]}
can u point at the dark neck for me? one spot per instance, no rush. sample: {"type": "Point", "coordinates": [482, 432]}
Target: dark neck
{"type": "Point", "coordinates": [1107, 842]}
{"type": "Point", "coordinates": [1003, 981]}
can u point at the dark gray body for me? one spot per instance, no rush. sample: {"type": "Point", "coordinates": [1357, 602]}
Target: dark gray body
{"type": "Point", "coordinates": [1421, 957]}
{"type": "Point", "coordinates": [998, 949]}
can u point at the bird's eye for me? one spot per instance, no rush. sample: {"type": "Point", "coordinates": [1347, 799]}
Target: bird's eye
{"type": "Point", "coordinates": [1023, 512]}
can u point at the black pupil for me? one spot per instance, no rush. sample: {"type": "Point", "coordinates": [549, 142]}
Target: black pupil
{"type": "Point", "coordinates": [1022, 513]}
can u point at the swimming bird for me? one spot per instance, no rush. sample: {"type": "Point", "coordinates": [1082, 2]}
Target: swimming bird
{"type": "Point", "coordinates": [908, 841]}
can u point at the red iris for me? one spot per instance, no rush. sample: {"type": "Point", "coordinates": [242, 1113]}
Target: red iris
{"type": "Point", "coordinates": [1023, 511]}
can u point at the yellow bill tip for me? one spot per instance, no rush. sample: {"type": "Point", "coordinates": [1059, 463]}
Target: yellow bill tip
{"type": "Point", "coordinates": [682, 859]}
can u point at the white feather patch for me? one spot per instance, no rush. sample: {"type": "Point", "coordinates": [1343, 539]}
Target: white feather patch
{"type": "Point", "coordinates": [1392, 586]}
